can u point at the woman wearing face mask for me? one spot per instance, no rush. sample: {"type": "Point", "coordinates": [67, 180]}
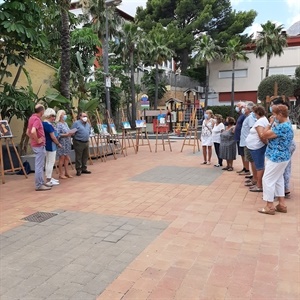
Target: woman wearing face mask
{"type": "Point", "coordinates": [216, 137]}
{"type": "Point", "coordinates": [278, 155]}
{"type": "Point", "coordinates": [65, 140]}
{"type": "Point", "coordinates": [206, 136]}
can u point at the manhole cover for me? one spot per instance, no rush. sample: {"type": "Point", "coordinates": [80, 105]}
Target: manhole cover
{"type": "Point", "coordinates": [39, 217]}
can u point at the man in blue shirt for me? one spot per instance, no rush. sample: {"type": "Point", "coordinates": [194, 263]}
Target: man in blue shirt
{"type": "Point", "coordinates": [81, 143]}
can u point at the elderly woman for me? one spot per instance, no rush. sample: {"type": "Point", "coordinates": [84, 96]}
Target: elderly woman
{"type": "Point", "coordinates": [206, 136]}
{"type": "Point", "coordinates": [257, 146]}
{"type": "Point", "coordinates": [216, 138]}
{"type": "Point", "coordinates": [227, 144]}
{"type": "Point", "coordinates": [278, 155]}
{"type": "Point", "coordinates": [65, 140]}
{"type": "Point", "coordinates": [51, 144]}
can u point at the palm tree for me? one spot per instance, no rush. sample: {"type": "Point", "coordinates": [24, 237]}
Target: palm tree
{"type": "Point", "coordinates": [208, 51]}
{"type": "Point", "coordinates": [158, 52]}
{"type": "Point", "coordinates": [270, 41]}
{"type": "Point", "coordinates": [65, 71]}
{"type": "Point", "coordinates": [130, 40]}
{"type": "Point", "coordinates": [233, 52]}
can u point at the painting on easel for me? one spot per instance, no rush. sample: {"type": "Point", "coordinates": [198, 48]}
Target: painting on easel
{"type": "Point", "coordinates": [140, 124]}
{"type": "Point", "coordinates": [103, 129]}
{"type": "Point", "coordinates": [113, 129]}
{"type": "Point", "coordinates": [5, 131]}
{"type": "Point", "coordinates": [126, 125]}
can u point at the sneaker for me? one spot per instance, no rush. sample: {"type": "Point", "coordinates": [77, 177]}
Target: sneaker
{"type": "Point", "coordinates": [53, 179]}
{"type": "Point", "coordinates": [43, 188]}
{"type": "Point", "coordinates": [241, 170]}
{"type": "Point", "coordinates": [245, 172]}
{"type": "Point", "coordinates": [86, 172]}
{"type": "Point", "coordinates": [78, 173]}
{"type": "Point", "coordinates": [249, 176]}
{"type": "Point", "coordinates": [56, 182]}
{"type": "Point", "coordinates": [48, 184]}
{"type": "Point", "coordinates": [217, 165]}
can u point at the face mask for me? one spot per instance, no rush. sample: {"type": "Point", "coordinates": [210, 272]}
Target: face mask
{"type": "Point", "coordinates": [206, 116]}
{"type": "Point", "coordinates": [276, 121]}
{"type": "Point", "coordinates": [243, 111]}
{"type": "Point", "coordinates": [84, 119]}
{"type": "Point", "coordinates": [65, 117]}
{"type": "Point", "coordinates": [253, 115]}
{"type": "Point", "coordinates": [226, 123]}
{"type": "Point", "coordinates": [237, 109]}
{"type": "Point", "coordinates": [270, 109]}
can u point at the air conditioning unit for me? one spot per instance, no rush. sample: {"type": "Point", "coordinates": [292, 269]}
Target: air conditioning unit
{"type": "Point", "coordinates": [200, 89]}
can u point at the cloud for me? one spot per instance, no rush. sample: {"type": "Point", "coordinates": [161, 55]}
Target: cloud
{"type": "Point", "coordinates": [293, 9]}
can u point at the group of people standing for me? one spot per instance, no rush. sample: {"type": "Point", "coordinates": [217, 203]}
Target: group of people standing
{"type": "Point", "coordinates": [50, 139]}
{"type": "Point", "coordinates": [264, 144]}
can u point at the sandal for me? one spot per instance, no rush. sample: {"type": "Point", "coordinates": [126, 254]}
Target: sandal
{"type": "Point", "coordinates": [208, 163]}
{"type": "Point", "coordinates": [230, 169]}
{"type": "Point", "coordinates": [69, 176]}
{"type": "Point", "coordinates": [251, 183]}
{"type": "Point", "coordinates": [267, 211]}
{"type": "Point", "coordinates": [255, 189]}
{"type": "Point", "coordinates": [225, 168]}
{"type": "Point", "coordinates": [280, 208]}
{"type": "Point", "coordinates": [204, 163]}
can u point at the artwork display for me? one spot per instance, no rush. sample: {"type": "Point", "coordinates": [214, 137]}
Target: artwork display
{"type": "Point", "coordinates": [126, 125]}
{"type": "Point", "coordinates": [140, 124]}
{"type": "Point", "coordinates": [103, 129]}
{"type": "Point", "coordinates": [113, 128]}
{"type": "Point", "coordinates": [5, 130]}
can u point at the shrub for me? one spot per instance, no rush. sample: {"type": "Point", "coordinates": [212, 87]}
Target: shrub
{"type": "Point", "coordinates": [266, 87]}
{"type": "Point", "coordinates": [224, 111]}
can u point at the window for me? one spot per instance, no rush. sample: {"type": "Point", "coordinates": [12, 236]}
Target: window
{"type": "Point", "coordinates": [242, 73]}
{"type": "Point", "coordinates": [289, 71]}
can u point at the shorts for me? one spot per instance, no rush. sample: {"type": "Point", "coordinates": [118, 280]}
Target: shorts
{"type": "Point", "coordinates": [258, 157]}
{"type": "Point", "coordinates": [248, 156]}
{"type": "Point", "coordinates": [240, 149]}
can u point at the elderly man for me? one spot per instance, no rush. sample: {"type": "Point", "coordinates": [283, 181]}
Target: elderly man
{"type": "Point", "coordinates": [81, 143]}
{"type": "Point", "coordinates": [247, 125]}
{"type": "Point", "coordinates": [36, 134]}
{"type": "Point", "coordinates": [240, 109]}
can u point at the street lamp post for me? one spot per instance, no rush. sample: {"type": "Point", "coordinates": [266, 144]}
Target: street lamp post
{"type": "Point", "coordinates": [107, 79]}
{"type": "Point", "coordinates": [261, 73]}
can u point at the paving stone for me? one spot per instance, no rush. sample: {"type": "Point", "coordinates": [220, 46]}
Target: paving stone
{"type": "Point", "coordinates": [82, 296]}
{"type": "Point", "coordinates": [69, 289]}
{"type": "Point", "coordinates": [112, 238]}
{"type": "Point", "coordinates": [83, 277]}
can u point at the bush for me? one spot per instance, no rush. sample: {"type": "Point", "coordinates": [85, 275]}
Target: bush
{"type": "Point", "coordinates": [266, 87]}
{"type": "Point", "coordinates": [224, 111]}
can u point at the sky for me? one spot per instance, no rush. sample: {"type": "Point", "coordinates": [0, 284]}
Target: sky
{"type": "Point", "coordinates": [283, 12]}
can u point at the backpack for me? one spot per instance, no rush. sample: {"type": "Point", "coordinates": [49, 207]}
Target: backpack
{"type": "Point", "coordinates": [27, 168]}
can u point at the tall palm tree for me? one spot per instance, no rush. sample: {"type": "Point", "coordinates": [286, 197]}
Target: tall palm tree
{"type": "Point", "coordinates": [65, 71]}
{"type": "Point", "coordinates": [158, 52]}
{"type": "Point", "coordinates": [208, 51]}
{"type": "Point", "coordinates": [131, 38]}
{"type": "Point", "coordinates": [270, 41]}
{"type": "Point", "coordinates": [233, 52]}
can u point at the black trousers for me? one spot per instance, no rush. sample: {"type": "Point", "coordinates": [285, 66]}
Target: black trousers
{"type": "Point", "coordinates": [217, 150]}
{"type": "Point", "coordinates": [81, 155]}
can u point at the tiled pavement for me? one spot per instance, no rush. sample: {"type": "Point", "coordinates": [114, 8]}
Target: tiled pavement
{"type": "Point", "coordinates": [215, 245]}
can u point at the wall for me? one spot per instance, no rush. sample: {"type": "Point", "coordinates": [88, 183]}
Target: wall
{"type": "Point", "coordinates": [42, 76]}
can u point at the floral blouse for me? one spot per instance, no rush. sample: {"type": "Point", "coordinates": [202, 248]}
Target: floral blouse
{"type": "Point", "coordinates": [278, 149]}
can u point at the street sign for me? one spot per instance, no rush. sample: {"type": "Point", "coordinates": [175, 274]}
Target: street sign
{"type": "Point", "coordinates": [108, 82]}
{"type": "Point", "coordinates": [145, 103]}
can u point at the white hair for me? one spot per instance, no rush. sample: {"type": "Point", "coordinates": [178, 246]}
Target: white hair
{"type": "Point", "coordinates": [49, 112]}
{"type": "Point", "coordinates": [241, 104]}
{"type": "Point", "coordinates": [249, 105]}
{"type": "Point", "coordinates": [58, 115]}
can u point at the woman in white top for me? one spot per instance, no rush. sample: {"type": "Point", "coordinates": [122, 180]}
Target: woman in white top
{"type": "Point", "coordinates": [216, 137]}
{"type": "Point", "coordinates": [206, 136]}
{"type": "Point", "coordinates": [257, 145]}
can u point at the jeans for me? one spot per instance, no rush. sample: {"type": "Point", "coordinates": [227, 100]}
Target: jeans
{"type": "Point", "coordinates": [50, 161]}
{"type": "Point", "coordinates": [40, 154]}
{"type": "Point", "coordinates": [81, 155]}
{"type": "Point", "coordinates": [217, 150]}
{"type": "Point", "coordinates": [288, 169]}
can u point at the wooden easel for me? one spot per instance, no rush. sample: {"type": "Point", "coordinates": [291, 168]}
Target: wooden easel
{"type": "Point", "coordinates": [191, 135]}
{"type": "Point", "coordinates": [163, 131]}
{"type": "Point", "coordinates": [127, 139]}
{"type": "Point", "coordinates": [9, 141]}
{"type": "Point", "coordinates": [140, 139]}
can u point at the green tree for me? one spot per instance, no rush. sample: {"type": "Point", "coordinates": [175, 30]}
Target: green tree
{"type": "Point", "coordinates": [207, 52]}
{"type": "Point", "coordinates": [185, 20]}
{"type": "Point", "coordinates": [21, 34]}
{"type": "Point", "coordinates": [270, 41]}
{"type": "Point", "coordinates": [157, 53]}
{"type": "Point", "coordinates": [233, 52]}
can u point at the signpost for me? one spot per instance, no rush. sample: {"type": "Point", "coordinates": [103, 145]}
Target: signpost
{"type": "Point", "coordinates": [145, 103]}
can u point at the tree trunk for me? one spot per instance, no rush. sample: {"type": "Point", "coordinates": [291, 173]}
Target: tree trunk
{"type": "Point", "coordinates": [65, 49]}
{"type": "Point", "coordinates": [156, 87]}
{"type": "Point", "coordinates": [24, 140]}
{"type": "Point", "coordinates": [185, 60]}
{"type": "Point", "coordinates": [17, 76]}
{"type": "Point", "coordinates": [132, 83]}
{"type": "Point", "coordinates": [232, 89]}
{"type": "Point", "coordinates": [206, 86]}
{"type": "Point", "coordinates": [268, 66]}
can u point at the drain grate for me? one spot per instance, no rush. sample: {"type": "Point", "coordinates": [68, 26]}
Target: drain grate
{"type": "Point", "coordinates": [40, 217]}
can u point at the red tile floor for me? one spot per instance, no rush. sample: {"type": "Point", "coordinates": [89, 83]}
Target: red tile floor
{"type": "Point", "coordinates": [216, 245]}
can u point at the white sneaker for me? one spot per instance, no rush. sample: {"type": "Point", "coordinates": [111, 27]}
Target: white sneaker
{"type": "Point", "coordinates": [54, 182]}
{"type": "Point", "coordinates": [53, 179]}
